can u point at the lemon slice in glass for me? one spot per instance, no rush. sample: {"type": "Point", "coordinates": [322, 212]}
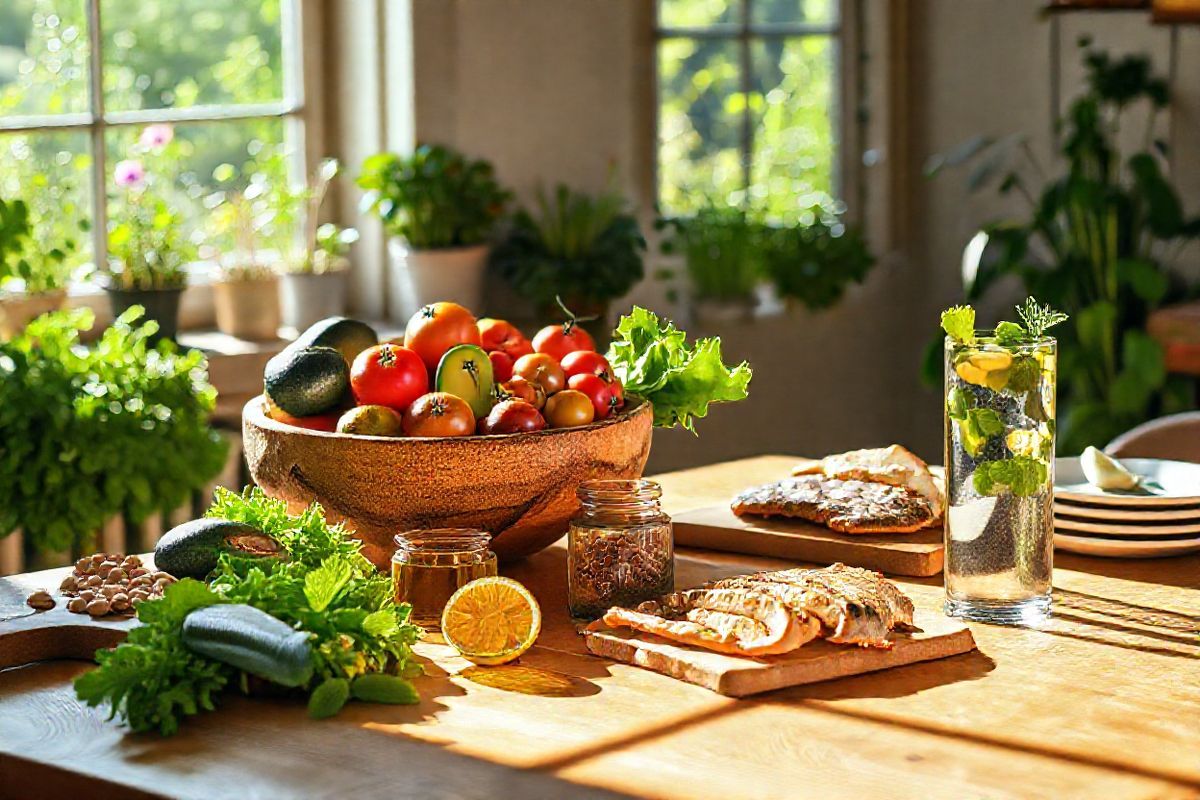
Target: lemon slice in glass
{"type": "Point", "coordinates": [491, 620]}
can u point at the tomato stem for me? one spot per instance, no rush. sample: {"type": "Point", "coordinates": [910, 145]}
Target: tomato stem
{"type": "Point", "coordinates": [573, 319]}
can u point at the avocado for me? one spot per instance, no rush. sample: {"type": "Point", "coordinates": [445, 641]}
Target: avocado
{"type": "Point", "coordinates": [191, 550]}
{"type": "Point", "coordinates": [348, 336]}
{"type": "Point", "coordinates": [307, 381]}
{"type": "Point", "coordinates": [466, 371]}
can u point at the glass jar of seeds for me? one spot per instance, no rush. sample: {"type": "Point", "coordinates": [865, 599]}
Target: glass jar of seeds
{"type": "Point", "coordinates": [619, 548]}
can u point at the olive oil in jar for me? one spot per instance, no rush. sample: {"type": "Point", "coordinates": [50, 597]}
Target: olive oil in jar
{"type": "Point", "coordinates": [431, 565]}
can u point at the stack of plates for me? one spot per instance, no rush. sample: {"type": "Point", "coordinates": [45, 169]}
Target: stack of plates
{"type": "Point", "coordinates": [1128, 524]}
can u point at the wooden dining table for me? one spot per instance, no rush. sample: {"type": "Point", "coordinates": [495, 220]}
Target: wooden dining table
{"type": "Point", "coordinates": [1102, 701]}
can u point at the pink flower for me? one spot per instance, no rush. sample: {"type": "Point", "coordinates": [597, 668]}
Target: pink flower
{"type": "Point", "coordinates": [156, 137]}
{"type": "Point", "coordinates": [129, 174]}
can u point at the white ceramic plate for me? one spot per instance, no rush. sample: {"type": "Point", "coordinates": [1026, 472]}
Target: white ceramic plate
{"type": "Point", "coordinates": [1113, 529]}
{"type": "Point", "coordinates": [1124, 548]}
{"type": "Point", "coordinates": [1180, 481]}
{"type": "Point", "coordinates": [1185, 515]}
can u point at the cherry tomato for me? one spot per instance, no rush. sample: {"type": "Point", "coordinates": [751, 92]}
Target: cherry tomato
{"type": "Point", "coordinates": [501, 335]}
{"type": "Point", "coordinates": [439, 414]}
{"type": "Point", "coordinates": [521, 389]}
{"type": "Point", "coordinates": [512, 416]}
{"type": "Point", "coordinates": [558, 340]}
{"type": "Point", "coordinates": [542, 369]}
{"type": "Point", "coordinates": [388, 375]}
{"type": "Point", "coordinates": [436, 328]}
{"type": "Point", "coordinates": [569, 409]}
{"type": "Point", "coordinates": [586, 362]}
{"type": "Point", "coordinates": [596, 389]}
{"type": "Point", "coordinates": [618, 393]}
{"type": "Point", "coordinates": [502, 365]}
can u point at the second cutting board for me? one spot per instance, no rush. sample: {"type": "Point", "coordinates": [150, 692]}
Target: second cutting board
{"type": "Point", "coordinates": [918, 554]}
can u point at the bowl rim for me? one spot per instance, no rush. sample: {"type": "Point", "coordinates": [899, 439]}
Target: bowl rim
{"type": "Point", "coordinates": [254, 412]}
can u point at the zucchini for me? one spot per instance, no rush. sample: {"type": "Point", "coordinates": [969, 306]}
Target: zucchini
{"type": "Point", "coordinates": [251, 640]}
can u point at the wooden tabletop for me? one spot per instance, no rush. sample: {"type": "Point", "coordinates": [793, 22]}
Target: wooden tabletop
{"type": "Point", "coordinates": [1103, 701]}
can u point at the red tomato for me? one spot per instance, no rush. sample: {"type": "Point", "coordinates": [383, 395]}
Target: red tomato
{"type": "Point", "coordinates": [502, 365]}
{"type": "Point", "coordinates": [558, 340]}
{"type": "Point", "coordinates": [436, 328]}
{"type": "Point", "coordinates": [517, 388]}
{"type": "Point", "coordinates": [439, 414]}
{"type": "Point", "coordinates": [596, 389]}
{"type": "Point", "coordinates": [388, 375]}
{"type": "Point", "coordinates": [501, 335]}
{"type": "Point", "coordinates": [586, 362]}
{"type": "Point", "coordinates": [618, 393]}
{"type": "Point", "coordinates": [512, 416]}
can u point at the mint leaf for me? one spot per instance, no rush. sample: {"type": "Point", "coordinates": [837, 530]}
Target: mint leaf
{"type": "Point", "coordinates": [986, 421]}
{"type": "Point", "coordinates": [959, 324]}
{"type": "Point", "coordinates": [328, 698]}
{"type": "Point", "coordinates": [1010, 333]}
{"type": "Point", "coordinates": [1023, 476]}
{"type": "Point", "coordinates": [322, 585]}
{"type": "Point", "coordinates": [958, 402]}
{"type": "Point", "coordinates": [380, 623]}
{"type": "Point", "coordinates": [1024, 374]}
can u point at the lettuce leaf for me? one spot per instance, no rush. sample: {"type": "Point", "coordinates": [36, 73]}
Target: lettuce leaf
{"type": "Point", "coordinates": [959, 323]}
{"type": "Point", "coordinates": [652, 359]}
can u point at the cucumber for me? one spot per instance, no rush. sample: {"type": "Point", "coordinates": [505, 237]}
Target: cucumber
{"type": "Point", "coordinates": [191, 550]}
{"type": "Point", "coordinates": [251, 640]}
{"type": "Point", "coordinates": [307, 381]}
{"type": "Point", "coordinates": [348, 336]}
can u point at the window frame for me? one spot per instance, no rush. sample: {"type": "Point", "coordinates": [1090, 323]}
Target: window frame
{"type": "Point", "coordinates": [843, 33]}
{"type": "Point", "coordinates": [299, 19]}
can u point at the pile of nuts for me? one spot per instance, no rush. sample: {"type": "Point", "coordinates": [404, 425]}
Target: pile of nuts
{"type": "Point", "coordinates": [608, 568]}
{"type": "Point", "coordinates": [111, 583]}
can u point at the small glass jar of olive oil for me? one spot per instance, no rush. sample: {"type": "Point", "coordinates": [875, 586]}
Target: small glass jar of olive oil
{"type": "Point", "coordinates": [430, 565]}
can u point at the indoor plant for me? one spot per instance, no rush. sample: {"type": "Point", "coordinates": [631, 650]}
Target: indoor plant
{"type": "Point", "coordinates": [246, 294]}
{"type": "Point", "coordinates": [440, 208]}
{"type": "Point", "coordinates": [37, 258]}
{"type": "Point", "coordinates": [118, 427]}
{"type": "Point", "coordinates": [313, 284]}
{"type": "Point", "coordinates": [812, 261]}
{"type": "Point", "coordinates": [721, 248]}
{"type": "Point", "coordinates": [147, 250]}
{"type": "Point", "coordinates": [1093, 245]}
{"type": "Point", "coordinates": [584, 249]}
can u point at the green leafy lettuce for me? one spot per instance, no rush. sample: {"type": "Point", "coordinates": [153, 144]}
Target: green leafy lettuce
{"type": "Point", "coordinates": [959, 324]}
{"type": "Point", "coordinates": [654, 361]}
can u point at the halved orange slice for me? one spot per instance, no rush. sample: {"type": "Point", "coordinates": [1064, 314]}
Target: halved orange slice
{"type": "Point", "coordinates": [491, 620]}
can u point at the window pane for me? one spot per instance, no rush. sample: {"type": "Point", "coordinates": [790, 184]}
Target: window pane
{"type": "Point", "coordinates": [180, 53]}
{"type": "Point", "coordinates": [43, 57]}
{"type": "Point", "coordinates": [793, 108]}
{"type": "Point", "coordinates": [699, 125]}
{"type": "Point", "coordinates": [793, 11]}
{"type": "Point", "coordinates": [51, 172]}
{"type": "Point", "coordinates": [189, 165]}
{"type": "Point", "coordinates": [698, 13]}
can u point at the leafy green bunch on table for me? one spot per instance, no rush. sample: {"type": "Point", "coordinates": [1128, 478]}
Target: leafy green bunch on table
{"type": "Point", "coordinates": [358, 639]}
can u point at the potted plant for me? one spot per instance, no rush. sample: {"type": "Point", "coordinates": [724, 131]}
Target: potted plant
{"type": "Point", "coordinates": [246, 293]}
{"type": "Point", "coordinates": [37, 259]}
{"type": "Point", "coordinates": [721, 250]}
{"type": "Point", "coordinates": [587, 250]}
{"type": "Point", "coordinates": [1092, 243]}
{"type": "Point", "coordinates": [811, 262]}
{"type": "Point", "coordinates": [313, 284]}
{"type": "Point", "coordinates": [440, 208]}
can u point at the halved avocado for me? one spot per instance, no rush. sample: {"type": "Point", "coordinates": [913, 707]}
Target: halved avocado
{"type": "Point", "coordinates": [466, 371]}
{"type": "Point", "coordinates": [307, 381]}
{"type": "Point", "coordinates": [191, 550]}
{"type": "Point", "coordinates": [348, 336]}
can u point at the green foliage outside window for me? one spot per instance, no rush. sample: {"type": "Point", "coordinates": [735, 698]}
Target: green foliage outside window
{"type": "Point", "coordinates": [118, 427]}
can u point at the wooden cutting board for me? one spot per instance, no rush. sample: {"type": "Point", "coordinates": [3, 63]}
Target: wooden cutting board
{"type": "Point", "coordinates": [718, 528]}
{"type": "Point", "coordinates": [736, 676]}
{"type": "Point", "coordinates": [27, 636]}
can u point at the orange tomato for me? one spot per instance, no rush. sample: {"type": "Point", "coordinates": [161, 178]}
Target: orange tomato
{"type": "Point", "coordinates": [543, 370]}
{"type": "Point", "coordinates": [558, 340]}
{"type": "Point", "coordinates": [436, 328]}
{"type": "Point", "coordinates": [439, 414]}
{"type": "Point", "coordinates": [569, 409]}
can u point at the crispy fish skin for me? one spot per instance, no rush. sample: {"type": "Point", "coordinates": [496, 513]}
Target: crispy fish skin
{"type": "Point", "coordinates": [894, 465]}
{"type": "Point", "coordinates": [847, 506]}
{"type": "Point", "coordinates": [855, 605]}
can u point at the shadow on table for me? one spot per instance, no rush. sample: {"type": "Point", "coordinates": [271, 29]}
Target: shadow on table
{"type": "Point", "coordinates": [894, 682]}
{"type": "Point", "coordinates": [1181, 571]}
{"type": "Point", "coordinates": [1116, 623]}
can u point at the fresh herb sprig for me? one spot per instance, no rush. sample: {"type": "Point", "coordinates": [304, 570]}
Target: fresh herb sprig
{"type": "Point", "coordinates": [959, 324]}
{"type": "Point", "coordinates": [1038, 319]}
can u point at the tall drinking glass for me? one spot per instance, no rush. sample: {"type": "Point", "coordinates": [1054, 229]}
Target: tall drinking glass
{"type": "Point", "coordinates": [999, 414]}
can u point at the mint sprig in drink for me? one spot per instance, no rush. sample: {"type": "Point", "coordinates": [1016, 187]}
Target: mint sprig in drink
{"type": "Point", "coordinates": [999, 415]}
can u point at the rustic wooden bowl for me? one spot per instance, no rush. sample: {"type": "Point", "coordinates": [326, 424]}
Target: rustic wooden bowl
{"type": "Point", "coordinates": [520, 487]}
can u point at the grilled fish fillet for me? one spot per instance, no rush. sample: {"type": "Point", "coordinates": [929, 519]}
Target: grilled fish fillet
{"type": "Point", "coordinates": [894, 465]}
{"type": "Point", "coordinates": [849, 506]}
{"type": "Point", "coordinates": [742, 615]}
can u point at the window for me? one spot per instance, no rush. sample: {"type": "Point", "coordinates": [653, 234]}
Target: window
{"type": "Point", "coordinates": [747, 104]}
{"type": "Point", "coordinates": [88, 84]}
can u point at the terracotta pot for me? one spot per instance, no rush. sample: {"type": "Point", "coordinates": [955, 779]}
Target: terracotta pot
{"type": "Point", "coordinates": [162, 306]}
{"type": "Point", "coordinates": [520, 487]}
{"type": "Point", "coordinates": [248, 309]}
{"type": "Point", "coordinates": [419, 277]}
{"type": "Point", "coordinates": [18, 310]}
{"type": "Point", "coordinates": [309, 297]}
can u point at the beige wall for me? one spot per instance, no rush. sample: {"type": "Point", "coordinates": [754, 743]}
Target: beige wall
{"type": "Point", "coordinates": [556, 90]}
